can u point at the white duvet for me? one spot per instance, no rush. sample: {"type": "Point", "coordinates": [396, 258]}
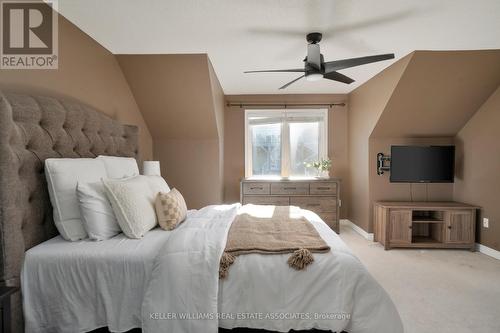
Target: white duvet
{"type": "Point", "coordinates": [178, 288]}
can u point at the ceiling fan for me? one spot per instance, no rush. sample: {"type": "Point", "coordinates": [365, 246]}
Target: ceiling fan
{"type": "Point", "coordinates": [315, 67]}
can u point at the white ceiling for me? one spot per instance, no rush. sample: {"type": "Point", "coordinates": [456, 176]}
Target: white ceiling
{"type": "Point", "coordinates": [241, 35]}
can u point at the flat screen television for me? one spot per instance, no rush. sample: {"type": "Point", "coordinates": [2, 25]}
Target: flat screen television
{"type": "Point", "coordinates": [422, 164]}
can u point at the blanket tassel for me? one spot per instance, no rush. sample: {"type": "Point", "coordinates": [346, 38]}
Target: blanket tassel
{"type": "Point", "coordinates": [300, 259]}
{"type": "Point", "coordinates": [226, 261]}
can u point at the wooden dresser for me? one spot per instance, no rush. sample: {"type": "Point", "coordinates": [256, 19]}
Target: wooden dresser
{"type": "Point", "coordinates": [321, 195]}
{"type": "Point", "coordinates": [425, 224]}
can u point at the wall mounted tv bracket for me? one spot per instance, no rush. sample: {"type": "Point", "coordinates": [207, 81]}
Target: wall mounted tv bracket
{"type": "Point", "coordinates": [382, 163]}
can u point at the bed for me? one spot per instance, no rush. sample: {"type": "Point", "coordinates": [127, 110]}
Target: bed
{"type": "Point", "coordinates": [119, 283]}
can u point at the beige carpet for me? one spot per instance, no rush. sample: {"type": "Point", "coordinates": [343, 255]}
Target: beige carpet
{"type": "Point", "coordinates": [435, 290]}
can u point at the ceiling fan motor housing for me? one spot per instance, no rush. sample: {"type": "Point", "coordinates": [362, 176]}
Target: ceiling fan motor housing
{"type": "Point", "coordinates": [314, 37]}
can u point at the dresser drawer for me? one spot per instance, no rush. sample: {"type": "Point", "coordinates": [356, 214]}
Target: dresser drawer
{"type": "Point", "coordinates": [290, 188]}
{"type": "Point", "coordinates": [316, 204]}
{"type": "Point", "coordinates": [265, 200]}
{"type": "Point", "coordinates": [330, 219]}
{"type": "Point", "coordinates": [323, 188]}
{"type": "Point", "coordinates": [256, 188]}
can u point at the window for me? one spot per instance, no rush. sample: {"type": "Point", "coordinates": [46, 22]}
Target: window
{"type": "Point", "coordinates": [281, 142]}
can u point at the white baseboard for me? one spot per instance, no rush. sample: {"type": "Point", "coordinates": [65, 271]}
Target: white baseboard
{"type": "Point", "coordinates": [366, 235]}
{"type": "Point", "coordinates": [369, 236]}
{"type": "Point", "coordinates": [488, 251]}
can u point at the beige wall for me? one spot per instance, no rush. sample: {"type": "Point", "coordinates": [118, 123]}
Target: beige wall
{"type": "Point", "coordinates": [192, 167]}
{"type": "Point", "coordinates": [183, 104]}
{"type": "Point", "coordinates": [87, 72]}
{"type": "Point", "coordinates": [174, 94]}
{"type": "Point", "coordinates": [477, 180]}
{"type": "Point", "coordinates": [366, 104]}
{"type": "Point", "coordinates": [439, 92]}
{"type": "Point", "coordinates": [234, 150]}
{"type": "Point", "coordinates": [219, 109]}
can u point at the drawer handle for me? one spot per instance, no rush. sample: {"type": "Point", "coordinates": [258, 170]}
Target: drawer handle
{"type": "Point", "coordinates": [449, 227]}
{"type": "Point", "coordinates": [289, 188]}
{"type": "Point", "coordinates": [257, 188]}
{"type": "Point", "coordinates": [324, 188]}
{"type": "Point", "coordinates": [313, 204]}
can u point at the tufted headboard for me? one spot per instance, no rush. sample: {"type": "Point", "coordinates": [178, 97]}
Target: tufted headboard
{"type": "Point", "coordinates": [32, 129]}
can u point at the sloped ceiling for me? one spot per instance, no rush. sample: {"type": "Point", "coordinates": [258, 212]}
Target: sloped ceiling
{"type": "Point", "coordinates": [241, 35]}
{"type": "Point", "coordinates": [439, 92]}
{"type": "Point", "coordinates": [174, 94]}
{"type": "Point", "coordinates": [368, 102]}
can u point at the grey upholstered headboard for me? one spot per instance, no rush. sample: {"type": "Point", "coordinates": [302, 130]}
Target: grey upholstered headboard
{"type": "Point", "coordinates": [32, 129]}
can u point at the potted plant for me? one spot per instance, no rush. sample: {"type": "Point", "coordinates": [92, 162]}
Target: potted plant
{"type": "Point", "coordinates": [321, 166]}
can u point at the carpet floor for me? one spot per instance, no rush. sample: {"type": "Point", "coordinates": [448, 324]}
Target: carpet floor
{"type": "Point", "coordinates": [435, 290]}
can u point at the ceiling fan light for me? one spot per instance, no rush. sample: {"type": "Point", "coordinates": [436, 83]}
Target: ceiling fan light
{"type": "Point", "coordinates": [314, 77]}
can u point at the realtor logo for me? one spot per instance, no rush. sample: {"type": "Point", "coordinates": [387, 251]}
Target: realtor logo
{"type": "Point", "coordinates": [29, 35]}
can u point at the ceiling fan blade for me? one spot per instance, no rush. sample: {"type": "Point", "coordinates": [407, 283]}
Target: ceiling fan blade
{"type": "Point", "coordinates": [371, 22]}
{"type": "Point", "coordinates": [293, 81]}
{"type": "Point", "coordinates": [294, 70]}
{"type": "Point", "coordinates": [336, 76]}
{"type": "Point", "coordinates": [314, 56]}
{"type": "Point", "coordinates": [336, 65]}
{"type": "Point", "coordinates": [278, 32]}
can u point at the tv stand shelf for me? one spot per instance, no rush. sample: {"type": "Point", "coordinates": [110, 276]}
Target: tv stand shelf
{"type": "Point", "coordinates": [401, 224]}
{"type": "Point", "coordinates": [428, 221]}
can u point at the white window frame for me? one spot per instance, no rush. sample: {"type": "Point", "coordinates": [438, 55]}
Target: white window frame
{"type": "Point", "coordinates": [285, 142]}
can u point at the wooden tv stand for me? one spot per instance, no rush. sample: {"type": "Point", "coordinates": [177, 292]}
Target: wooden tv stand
{"type": "Point", "coordinates": [425, 224]}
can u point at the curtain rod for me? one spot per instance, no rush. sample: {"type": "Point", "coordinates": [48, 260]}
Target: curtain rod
{"type": "Point", "coordinates": [284, 105]}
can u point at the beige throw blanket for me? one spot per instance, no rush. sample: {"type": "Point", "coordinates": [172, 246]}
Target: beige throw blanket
{"type": "Point", "coordinates": [272, 230]}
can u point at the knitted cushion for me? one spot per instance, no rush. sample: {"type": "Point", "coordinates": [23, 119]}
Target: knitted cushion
{"type": "Point", "coordinates": [171, 209]}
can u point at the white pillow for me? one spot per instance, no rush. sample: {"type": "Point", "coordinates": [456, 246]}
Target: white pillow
{"type": "Point", "coordinates": [97, 215]}
{"type": "Point", "coordinates": [62, 175]}
{"type": "Point", "coordinates": [120, 167]}
{"type": "Point", "coordinates": [157, 184]}
{"type": "Point", "coordinates": [133, 200]}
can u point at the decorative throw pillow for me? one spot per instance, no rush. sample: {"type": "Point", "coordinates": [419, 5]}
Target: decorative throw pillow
{"type": "Point", "coordinates": [171, 209]}
{"type": "Point", "coordinates": [97, 215]}
{"type": "Point", "coordinates": [133, 201]}
{"type": "Point", "coordinates": [130, 199]}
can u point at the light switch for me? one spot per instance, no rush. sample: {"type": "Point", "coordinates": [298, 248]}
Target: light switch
{"type": "Point", "coordinates": [486, 222]}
